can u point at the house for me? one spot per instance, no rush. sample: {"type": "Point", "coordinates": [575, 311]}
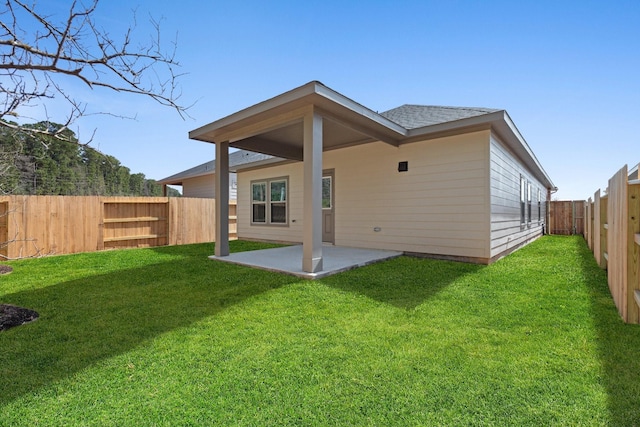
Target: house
{"type": "Point", "coordinates": [199, 181]}
{"type": "Point", "coordinates": [452, 183]}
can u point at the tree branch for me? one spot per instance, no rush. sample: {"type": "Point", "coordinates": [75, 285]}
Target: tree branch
{"type": "Point", "coordinates": [77, 47]}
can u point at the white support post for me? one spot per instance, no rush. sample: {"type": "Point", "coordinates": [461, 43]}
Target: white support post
{"type": "Point", "coordinates": [312, 227]}
{"type": "Point", "coordinates": [222, 199]}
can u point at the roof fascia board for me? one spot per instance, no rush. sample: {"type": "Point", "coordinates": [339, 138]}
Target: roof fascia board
{"type": "Point", "coordinates": [447, 131]}
{"type": "Point", "coordinates": [365, 140]}
{"type": "Point", "coordinates": [290, 103]}
{"type": "Point", "coordinates": [456, 125]}
{"type": "Point", "coordinates": [534, 164]}
{"type": "Point", "coordinates": [498, 121]}
{"type": "Point", "coordinates": [360, 109]}
{"type": "Point", "coordinates": [249, 112]}
{"type": "Point", "coordinates": [501, 133]}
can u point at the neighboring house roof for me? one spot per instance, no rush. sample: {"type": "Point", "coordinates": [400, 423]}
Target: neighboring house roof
{"type": "Point", "coordinates": [417, 116]}
{"type": "Point", "coordinates": [237, 159]}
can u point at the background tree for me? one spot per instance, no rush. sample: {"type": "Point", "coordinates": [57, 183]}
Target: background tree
{"type": "Point", "coordinates": [39, 53]}
{"type": "Point", "coordinates": [9, 155]}
{"type": "Point", "coordinates": [45, 165]}
{"type": "Point", "coordinates": [95, 179]}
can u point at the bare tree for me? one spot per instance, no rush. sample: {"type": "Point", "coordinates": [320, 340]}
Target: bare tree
{"type": "Point", "coordinates": [36, 52]}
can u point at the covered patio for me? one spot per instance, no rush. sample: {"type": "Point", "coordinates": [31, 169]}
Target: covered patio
{"type": "Point", "coordinates": [336, 259]}
{"type": "Point", "coordinates": [298, 125]}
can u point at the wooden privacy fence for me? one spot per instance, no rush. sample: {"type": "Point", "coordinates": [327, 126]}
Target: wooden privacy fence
{"type": "Point", "coordinates": [613, 234]}
{"type": "Point", "coordinates": [566, 217]}
{"type": "Point", "coordinates": [45, 225]}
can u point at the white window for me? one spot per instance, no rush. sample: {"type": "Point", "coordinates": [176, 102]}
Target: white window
{"type": "Point", "coordinates": [278, 202]}
{"type": "Point", "coordinates": [269, 201]}
{"type": "Point", "coordinates": [259, 202]}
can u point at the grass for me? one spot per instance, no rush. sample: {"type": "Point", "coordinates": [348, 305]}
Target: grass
{"type": "Point", "coordinates": [165, 336]}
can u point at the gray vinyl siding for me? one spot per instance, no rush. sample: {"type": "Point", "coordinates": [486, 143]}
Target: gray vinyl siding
{"type": "Point", "coordinates": [507, 230]}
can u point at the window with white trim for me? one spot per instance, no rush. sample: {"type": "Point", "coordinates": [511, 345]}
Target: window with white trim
{"type": "Point", "coordinates": [259, 202]}
{"type": "Point", "coordinates": [278, 202]}
{"type": "Point", "coordinates": [269, 201]}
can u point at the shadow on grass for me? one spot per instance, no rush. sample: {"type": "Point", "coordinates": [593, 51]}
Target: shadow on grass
{"type": "Point", "coordinates": [404, 282]}
{"type": "Point", "coordinates": [618, 344]}
{"type": "Point", "coordinates": [88, 320]}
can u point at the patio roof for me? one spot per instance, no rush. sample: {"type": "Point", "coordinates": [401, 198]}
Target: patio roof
{"type": "Point", "coordinates": [275, 126]}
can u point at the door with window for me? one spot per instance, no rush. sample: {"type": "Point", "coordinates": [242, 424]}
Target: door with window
{"type": "Point", "coordinates": [328, 206]}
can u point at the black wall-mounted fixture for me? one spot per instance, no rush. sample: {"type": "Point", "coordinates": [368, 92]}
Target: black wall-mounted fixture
{"type": "Point", "coordinates": [403, 166]}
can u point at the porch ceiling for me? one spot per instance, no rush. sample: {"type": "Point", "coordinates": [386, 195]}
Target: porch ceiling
{"type": "Point", "coordinates": [275, 126]}
{"type": "Point", "coordinates": [286, 141]}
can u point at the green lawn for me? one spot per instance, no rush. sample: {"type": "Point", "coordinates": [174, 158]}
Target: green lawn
{"type": "Point", "coordinates": [166, 336]}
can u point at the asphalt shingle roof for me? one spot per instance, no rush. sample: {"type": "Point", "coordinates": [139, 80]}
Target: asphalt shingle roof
{"type": "Point", "coordinates": [415, 116]}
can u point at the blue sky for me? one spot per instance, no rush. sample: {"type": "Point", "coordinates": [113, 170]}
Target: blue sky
{"type": "Point", "coordinates": [567, 72]}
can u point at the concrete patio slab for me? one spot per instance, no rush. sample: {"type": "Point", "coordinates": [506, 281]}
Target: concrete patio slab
{"type": "Point", "coordinates": [288, 259]}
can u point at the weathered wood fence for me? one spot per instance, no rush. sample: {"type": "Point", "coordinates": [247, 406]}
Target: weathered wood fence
{"type": "Point", "coordinates": [45, 225]}
{"type": "Point", "coordinates": [566, 217]}
{"type": "Point", "coordinates": [613, 234]}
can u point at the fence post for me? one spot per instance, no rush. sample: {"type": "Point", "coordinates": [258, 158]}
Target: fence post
{"type": "Point", "coordinates": [573, 218]}
{"type": "Point", "coordinates": [100, 217]}
{"type": "Point", "coordinates": [596, 226]}
{"type": "Point", "coordinates": [4, 229]}
{"type": "Point", "coordinates": [633, 253]}
{"type": "Point", "coordinates": [590, 224]}
{"type": "Point", "coordinates": [604, 228]}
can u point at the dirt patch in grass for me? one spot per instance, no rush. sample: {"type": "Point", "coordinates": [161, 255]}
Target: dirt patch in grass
{"type": "Point", "coordinates": [11, 315]}
{"type": "Point", "coordinates": [5, 269]}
